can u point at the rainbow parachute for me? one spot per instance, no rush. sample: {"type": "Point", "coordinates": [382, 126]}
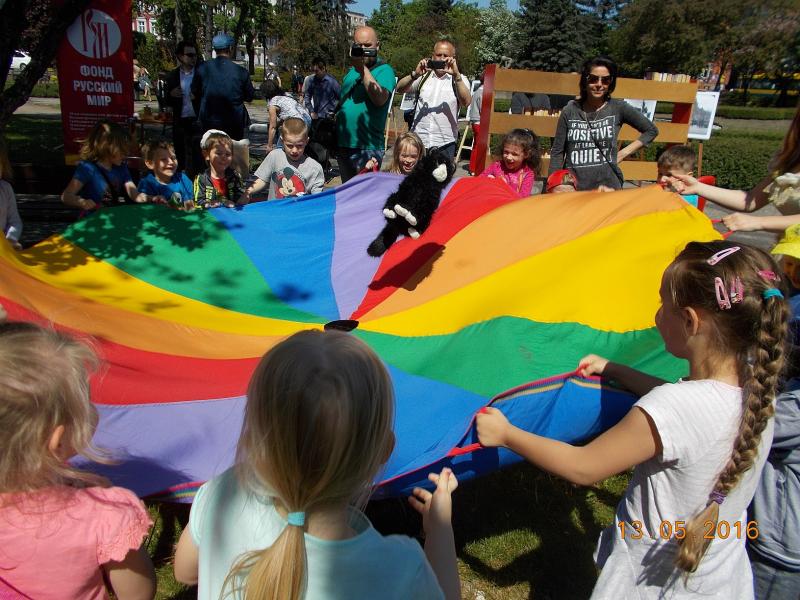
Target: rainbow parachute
{"type": "Point", "coordinates": [497, 293]}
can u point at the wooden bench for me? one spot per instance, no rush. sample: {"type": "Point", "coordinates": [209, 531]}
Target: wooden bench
{"type": "Point", "coordinates": [515, 80]}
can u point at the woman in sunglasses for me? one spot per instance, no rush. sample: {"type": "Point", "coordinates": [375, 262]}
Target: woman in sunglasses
{"type": "Point", "coordinates": [587, 131]}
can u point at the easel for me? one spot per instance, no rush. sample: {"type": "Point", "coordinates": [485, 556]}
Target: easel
{"type": "Point", "coordinates": [476, 83]}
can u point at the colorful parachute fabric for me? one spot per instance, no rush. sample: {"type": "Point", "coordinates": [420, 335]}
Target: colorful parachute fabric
{"type": "Point", "coordinates": [497, 293]}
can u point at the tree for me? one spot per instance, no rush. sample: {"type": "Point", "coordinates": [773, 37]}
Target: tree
{"type": "Point", "coordinates": [602, 18]}
{"type": "Point", "coordinates": [407, 31]}
{"type": "Point", "coordinates": [688, 36]}
{"type": "Point", "coordinates": [38, 27]}
{"type": "Point", "coordinates": [176, 20]}
{"type": "Point", "coordinates": [497, 25]}
{"type": "Point", "coordinates": [552, 35]}
{"type": "Point", "coordinates": [769, 43]}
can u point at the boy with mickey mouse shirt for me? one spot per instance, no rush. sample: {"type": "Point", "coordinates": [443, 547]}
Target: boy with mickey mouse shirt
{"type": "Point", "coordinates": [288, 170]}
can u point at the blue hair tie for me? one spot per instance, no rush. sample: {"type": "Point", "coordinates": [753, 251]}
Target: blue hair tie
{"type": "Point", "coordinates": [771, 292]}
{"type": "Point", "coordinates": [298, 519]}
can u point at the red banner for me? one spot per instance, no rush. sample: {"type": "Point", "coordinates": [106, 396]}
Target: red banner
{"type": "Point", "coordinates": [95, 71]}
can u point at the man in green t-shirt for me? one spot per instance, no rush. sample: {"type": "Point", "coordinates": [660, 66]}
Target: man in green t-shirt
{"type": "Point", "coordinates": [365, 94]}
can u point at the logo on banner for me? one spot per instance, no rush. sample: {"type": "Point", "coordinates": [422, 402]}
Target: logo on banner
{"type": "Point", "coordinates": [94, 34]}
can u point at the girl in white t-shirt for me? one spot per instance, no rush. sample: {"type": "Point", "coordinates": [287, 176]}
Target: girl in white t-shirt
{"type": "Point", "coordinates": [698, 445]}
{"type": "Point", "coordinates": [283, 524]}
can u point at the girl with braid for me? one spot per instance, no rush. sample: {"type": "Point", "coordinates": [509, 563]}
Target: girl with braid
{"type": "Point", "coordinates": [698, 446]}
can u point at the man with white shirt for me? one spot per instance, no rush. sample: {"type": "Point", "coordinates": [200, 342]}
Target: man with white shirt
{"type": "Point", "coordinates": [184, 112]}
{"type": "Point", "coordinates": [440, 90]}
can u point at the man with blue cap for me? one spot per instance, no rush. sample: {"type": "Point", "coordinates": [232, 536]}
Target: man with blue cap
{"type": "Point", "coordinates": [223, 87]}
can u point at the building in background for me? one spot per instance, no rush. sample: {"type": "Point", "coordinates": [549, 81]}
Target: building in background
{"type": "Point", "coordinates": [144, 22]}
{"type": "Point", "coordinates": [354, 20]}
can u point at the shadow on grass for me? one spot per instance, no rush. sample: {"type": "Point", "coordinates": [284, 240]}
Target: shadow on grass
{"type": "Point", "coordinates": [519, 526]}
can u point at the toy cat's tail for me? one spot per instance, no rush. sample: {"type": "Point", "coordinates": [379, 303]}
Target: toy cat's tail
{"type": "Point", "coordinates": [383, 242]}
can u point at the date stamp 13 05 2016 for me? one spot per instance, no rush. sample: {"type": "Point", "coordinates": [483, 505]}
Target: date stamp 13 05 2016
{"type": "Point", "coordinates": [677, 529]}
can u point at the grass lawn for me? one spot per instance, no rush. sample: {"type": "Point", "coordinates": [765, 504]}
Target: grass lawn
{"type": "Point", "coordinates": [520, 534]}
{"type": "Point", "coordinates": [35, 139]}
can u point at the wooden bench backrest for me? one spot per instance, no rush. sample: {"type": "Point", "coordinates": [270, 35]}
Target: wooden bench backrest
{"type": "Point", "coordinates": [514, 80]}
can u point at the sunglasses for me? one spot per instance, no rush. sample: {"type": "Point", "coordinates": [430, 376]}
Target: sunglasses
{"type": "Point", "coordinates": [605, 79]}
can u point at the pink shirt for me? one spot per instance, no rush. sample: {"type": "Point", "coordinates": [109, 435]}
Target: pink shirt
{"type": "Point", "coordinates": [53, 541]}
{"type": "Point", "coordinates": [521, 180]}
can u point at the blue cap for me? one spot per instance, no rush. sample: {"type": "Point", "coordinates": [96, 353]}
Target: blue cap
{"type": "Point", "coordinates": [221, 41]}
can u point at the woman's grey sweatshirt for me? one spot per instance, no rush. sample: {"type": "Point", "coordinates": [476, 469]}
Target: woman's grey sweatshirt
{"type": "Point", "coordinates": [587, 143]}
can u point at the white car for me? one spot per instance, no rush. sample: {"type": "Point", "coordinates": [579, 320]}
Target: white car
{"type": "Point", "coordinates": [20, 61]}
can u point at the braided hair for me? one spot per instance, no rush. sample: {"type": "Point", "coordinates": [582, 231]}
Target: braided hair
{"type": "Point", "coordinates": [751, 322]}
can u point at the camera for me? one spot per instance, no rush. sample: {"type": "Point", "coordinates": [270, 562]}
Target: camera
{"type": "Point", "coordinates": [436, 64]}
{"type": "Point", "coordinates": [357, 51]}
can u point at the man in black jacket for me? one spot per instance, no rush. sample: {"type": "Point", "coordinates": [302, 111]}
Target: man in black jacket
{"type": "Point", "coordinates": [185, 134]}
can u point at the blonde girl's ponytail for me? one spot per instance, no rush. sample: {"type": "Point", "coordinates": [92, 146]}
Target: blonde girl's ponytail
{"type": "Point", "coordinates": [753, 325]}
{"type": "Point", "coordinates": [317, 429]}
{"type": "Point", "coordinates": [274, 573]}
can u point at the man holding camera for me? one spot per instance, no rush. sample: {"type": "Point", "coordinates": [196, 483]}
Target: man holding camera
{"type": "Point", "coordinates": [440, 90]}
{"type": "Point", "coordinates": [364, 104]}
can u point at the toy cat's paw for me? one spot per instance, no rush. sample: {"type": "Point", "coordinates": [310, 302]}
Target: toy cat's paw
{"type": "Point", "coordinates": [400, 210]}
{"type": "Point", "coordinates": [389, 213]}
{"type": "Point", "coordinates": [412, 220]}
{"type": "Point", "coordinates": [413, 233]}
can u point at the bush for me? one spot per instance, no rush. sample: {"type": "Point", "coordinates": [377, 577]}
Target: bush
{"type": "Point", "coordinates": [755, 112]}
{"type": "Point", "coordinates": [738, 111]}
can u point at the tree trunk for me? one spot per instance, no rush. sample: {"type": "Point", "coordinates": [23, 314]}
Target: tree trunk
{"type": "Point", "coordinates": [244, 14]}
{"type": "Point", "coordinates": [209, 30]}
{"type": "Point", "coordinates": [178, 22]}
{"type": "Point", "coordinates": [12, 15]}
{"type": "Point", "coordinates": [251, 53]}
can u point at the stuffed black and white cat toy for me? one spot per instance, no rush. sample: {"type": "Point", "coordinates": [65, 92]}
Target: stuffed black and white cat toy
{"type": "Point", "coordinates": [409, 210]}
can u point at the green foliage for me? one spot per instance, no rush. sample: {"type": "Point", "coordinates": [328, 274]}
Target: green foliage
{"type": "Point", "coordinates": [152, 53]}
{"type": "Point", "coordinates": [407, 32]}
{"type": "Point", "coordinates": [498, 26]}
{"type": "Point", "coordinates": [739, 162]}
{"type": "Point", "coordinates": [552, 35]}
{"type": "Point", "coordinates": [676, 44]}
{"type": "Point", "coordinates": [728, 111]}
{"type": "Point", "coordinates": [175, 21]}
{"type": "Point", "coordinates": [755, 112]}
{"type": "Point", "coordinates": [308, 29]}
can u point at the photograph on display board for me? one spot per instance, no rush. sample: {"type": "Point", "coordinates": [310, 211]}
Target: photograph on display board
{"type": "Point", "coordinates": [646, 107]}
{"type": "Point", "coordinates": [703, 111]}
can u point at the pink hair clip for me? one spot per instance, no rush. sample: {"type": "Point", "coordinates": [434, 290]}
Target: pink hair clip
{"type": "Point", "coordinates": [737, 291]}
{"type": "Point", "coordinates": [769, 275]}
{"type": "Point", "coordinates": [718, 256]}
{"type": "Point", "coordinates": [722, 295]}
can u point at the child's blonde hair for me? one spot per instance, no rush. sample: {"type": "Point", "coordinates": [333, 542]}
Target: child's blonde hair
{"type": "Point", "coordinates": [679, 156]}
{"type": "Point", "coordinates": [44, 384]}
{"type": "Point", "coordinates": [212, 137]}
{"type": "Point", "coordinates": [409, 138]}
{"type": "Point", "coordinates": [754, 329]}
{"type": "Point", "coordinates": [294, 127]}
{"type": "Point", "coordinates": [104, 140]}
{"type": "Point", "coordinates": [6, 172]}
{"type": "Point", "coordinates": [317, 429]}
